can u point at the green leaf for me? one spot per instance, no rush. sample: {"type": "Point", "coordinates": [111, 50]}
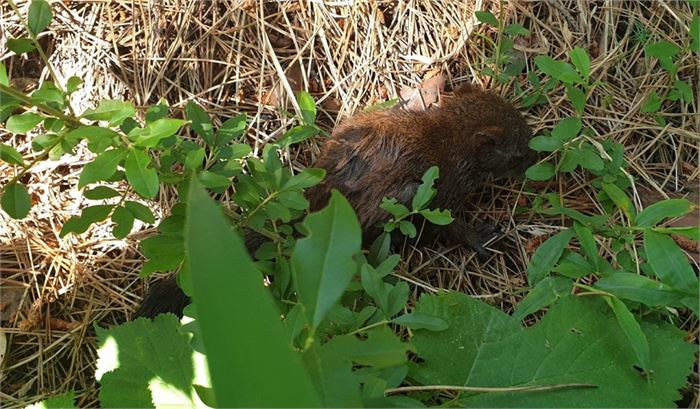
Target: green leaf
{"type": "Point", "coordinates": [653, 103]}
{"type": "Point", "coordinates": [589, 159]}
{"type": "Point", "coordinates": [114, 111]}
{"type": "Point", "coordinates": [66, 400]}
{"type": "Point", "coordinates": [685, 91]}
{"type": "Point", "coordinates": [425, 192]}
{"type": "Point", "coordinates": [212, 180]}
{"type": "Point", "coordinates": [573, 265]}
{"type": "Point", "coordinates": [407, 228]}
{"type": "Point", "coordinates": [140, 212]}
{"type": "Point", "coordinates": [155, 131]}
{"type": "Point", "coordinates": [16, 201]}
{"type": "Point", "coordinates": [194, 159]}
{"type": "Point", "coordinates": [669, 262]}
{"type": "Point", "coordinates": [577, 98]}
{"type": "Point", "coordinates": [545, 143]}
{"type": "Point", "coordinates": [307, 106]}
{"type": "Point", "coordinates": [100, 192]}
{"type": "Point", "coordinates": [392, 206]}
{"type": "Point", "coordinates": [547, 255]}
{"type": "Point", "coordinates": [694, 31]}
{"type": "Point", "coordinates": [579, 57]}
{"type": "Point", "coordinates": [544, 294]}
{"type": "Point", "coordinates": [10, 155]}
{"type": "Point", "coordinates": [88, 216]}
{"type": "Point", "coordinates": [268, 372]}
{"type": "Point", "coordinates": [20, 45]}
{"type": "Point", "coordinates": [567, 129]}
{"type": "Point", "coordinates": [23, 123]}
{"type": "Point", "coordinates": [692, 233]}
{"type": "Point", "coordinates": [578, 341]}
{"type": "Point", "coordinates": [323, 263]}
{"type": "Point", "coordinates": [668, 208]}
{"type": "Point", "coordinates": [39, 16]}
{"type": "Point", "coordinates": [305, 179]}
{"type": "Point", "coordinates": [661, 49]}
{"type": "Point", "coordinates": [632, 330]}
{"type": "Point", "coordinates": [382, 348]}
{"type": "Point", "coordinates": [620, 199]}
{"type": "Point", "coordinates": [517, 29]}
{"type": "Point", "coordinates": [540, 171]}
{"type": "Point", "coordinates": [142, 177]}
{"type": "Point", "coordinates": [164, 253]}
{"type": "Point", "coordinates": [421, 321]}
{"type": "Point", "coordinates": [298, 134]}
{"type": "Point", "coordinates": [158, 370]}
{"type": "Point", "coordinates": [72, 84]}
{"type": "Point", "coordinates": [588, 243]}
{"type": "Point", "coordinates": [374, 286]}
{"type": "Point", "coordinates": [635, 287]}
{"type": "Point", "coordinates": [293, 200]}
{"type": "Point", "coordinates": [333, 377]}
{"type": "Point", "coordinates": [230, 129]}
{"type": "Point", "coordinates": [201, 123]}
{"type": "Point", "coordinates": [99, 138]}
{"type": "Point", "coordinates": [486, 17]}
{"type": "Point", "coordinates": [124, 222]}
{"type": "Point", "coordinates": [102, 168]}
{"type": "Point", "coordinates": [437, 216]}
{"type": "Point", "coordinates": [560, 70]}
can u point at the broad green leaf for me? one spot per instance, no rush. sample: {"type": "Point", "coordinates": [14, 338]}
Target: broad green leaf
{"type": "Point", "coordinates": [102, 168]}
{"type": "Point", "coordinates": [692, 233]}
{"type": "Point", "coordinates": [323, 263]}
{"type": "Point", "coordinates": [293, 200]}
{"type": "Point", "coordinates": [158, 111]}
{"type": "Point", "coordinates": [545, 143]}
{"type": "Point", "coordinates": [437, 216]}
{"type": "Point", "coordinates": [213, 180]}
{"type": "Point", "coordinates": [669, 262]}
{"type": "Point", "coordinates": [560, 70]}
{"type": "Point", "coordinates": [632, 330]}
{"type": "Point", "coordinates": [547, 255]}
{"type": "Point", "coordinates": [573, 265]}
{"type": "Point", "coordinates": [392, 206]}
{"type": "Point", "coordinates": [99, 138]}
{"type": "Point", "coordinates": [578, 341]}
{"type": "Point", "coordinates": [379, 250]}
{"type": "Point", "coordinates": [114, 111]}
{"type": "Point", "coordinates": [635, 287]}
{"type": "Point", "coordinates": [230, 129]}
{"type": "Point", "coordinates": [486, 17]}
{"type": "Point", "coordinates": [4, 80]}
{"type": "Point", "coordinates": [194, 159]}
{"type": "Point", "coordinates": [407, 228]}
{"type": "Point", "coordinates": [164, 253]}
{"type": "Point", "coordinates": [88, 216]}
{"type": "Point", "coordinates": [590, 159]}
{"type": "Point", "coordinates": [335, 382]}
{"type": "Point", "coordinates": [20, 45]}
{"type": "Point", "coordinates": [50, 95]}
{"type": "Point", "coordinates": [268, 371]}
{"type": "Point", "coordinates": [421, 321]}
{"type": "Point", "coordinates": [661, 49]}
{"type": "Point", "coordinates": [64, 401]}
{"type": "Point", "coordinates": [124, 222]}
{"type": "Point", "coordinates": [577, 98]}
{"type": "Point", "coordinates": [381, 349]}
{"type": "Point", "coordinates": [620, 199]}
{"type": "Point", "coordinates": [100, 192]}
{"type": "Point", "coordinates": [142, 177]}
{"type": "Point", "coordinates": [305, 179]}
{"type": "Point", "coordinates": [540, 171]}
{"type": "Point", "coordinates": [426, 192]}
{"type": "Point", "coordinates": [158, 370]}
{"type": "Point", "coordinates": [307, 106]}
{"type": "Point", "coordinates": [374, 287]}
{"type": "Point", "coordinates": [298, 134]}
{"type": "Point", "coordinates": [155, 131]}
{"type": "Point", "coordinates": [140, 212]}
{"type": "Point", "coordinates": [23, 123]}
{"type": "Point", "coordinates": [544, 294]}
{"type": "Point", "coordinates": [16, 201]}
{"type": "Point", "coordinates": [10, 155]}
{"type": "Point", "coordinates": [653, 103]}
{"type": "Point", "coordinates": [579, 57]}
{"type": "Point", "coordinates": [567, 129]}
{"type": "Point", "coordinates": [39, 16]}
{"type": "Point", "coordinates": [201, 123]}
{"type": "Point", "coordinates": [668, 208]}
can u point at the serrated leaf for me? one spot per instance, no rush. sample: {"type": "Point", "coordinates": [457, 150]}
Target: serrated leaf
{"type": "Point", "coordinates": [140, 211]}
{"type": "Point", "coordinates": [23, 123]}
{"type": "Point", "coordinates": [102, 167]}
{"type": "Point", "coordinates": [630, 327]}
{"type": "Point", "coordinates": [64, 401]}
{"type": "Point", "coordinates": [114, 111]}
{"type": "Point", "coordinates": [437, 216]}
{"type": "Point", "coordinates": [425, 192]}
{"type": "Point", "coordinates": [547, 255]}
{"type": "Point", "coordinates": [560, 70]}
{"type": "Point", "coordinates": [155, 131]}
{"type": "Point", "coordinates": [100, 192]}
{"type": "Point", "coordinates": [620, 198]}
{"type": "Point", "coordinates": [545, 143]}
{"type": "Point", "coordinates": [421, 321]}
{"type": "Point", "coordinates": [323, 261]}
{"type": "Point", "coordinates": [39, 16]}
{"type": "Point", "coordinates": [668, 208]}
{"type": "Point", "coordinates": [124, 222]}
{"type": "Point", "coordinates": [577, 341]}
{"type": "Point", "coordinates": [544, 294]}
{"type": "Point", "coordinates": [16, 201]}
{"type": "Point", "coordinates": [567, 129]}
{"type": "Point", "coordinates": [20, 45]}
{"type": "Point", "coordinates": [635, 287]}
{"type": "Point", "coordinates": [142, 177]}
{"type": "Point", "coordinates": [540, 171]}
{"type": "Point", "coordinates": [307, 106]}
{"type": "Point", "coordinates": [669, 262]}
{"type": "Point", "coordinates": [579, 57]}
{"type": "Point", "coordinates": [256, 348]}
{"type": "Point", "coordinates": [201, 123]}
{"type": "Point", "coordinates": [486, 17]}
{"type": "Point", "coordinates": [10, 155]}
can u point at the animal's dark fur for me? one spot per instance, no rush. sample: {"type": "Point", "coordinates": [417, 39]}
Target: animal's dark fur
{"type": "Point", "coordinates": [472, 136]}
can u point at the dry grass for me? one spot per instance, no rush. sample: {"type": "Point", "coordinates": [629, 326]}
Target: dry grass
{"type": "Point", "coordinates": [251, 56]}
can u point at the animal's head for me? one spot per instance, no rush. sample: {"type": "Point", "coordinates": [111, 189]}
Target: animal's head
{"type": "Point", "coordinates": [500, 134]}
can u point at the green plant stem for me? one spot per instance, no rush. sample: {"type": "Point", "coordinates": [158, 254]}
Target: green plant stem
{"type": "Point", "coordinates": [27, 102]}
{"type": "Point", "coordinates": [363, 329]}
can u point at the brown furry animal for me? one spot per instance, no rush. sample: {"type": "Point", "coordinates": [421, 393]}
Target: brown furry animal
{"type": "Point", "coordinates": [471, 137]}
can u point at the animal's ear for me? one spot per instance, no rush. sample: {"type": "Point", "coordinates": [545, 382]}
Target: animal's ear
{"type": "Point", "coordinates": [466, 88]}
{"type": "Point", "coordinates": [490, 134]}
